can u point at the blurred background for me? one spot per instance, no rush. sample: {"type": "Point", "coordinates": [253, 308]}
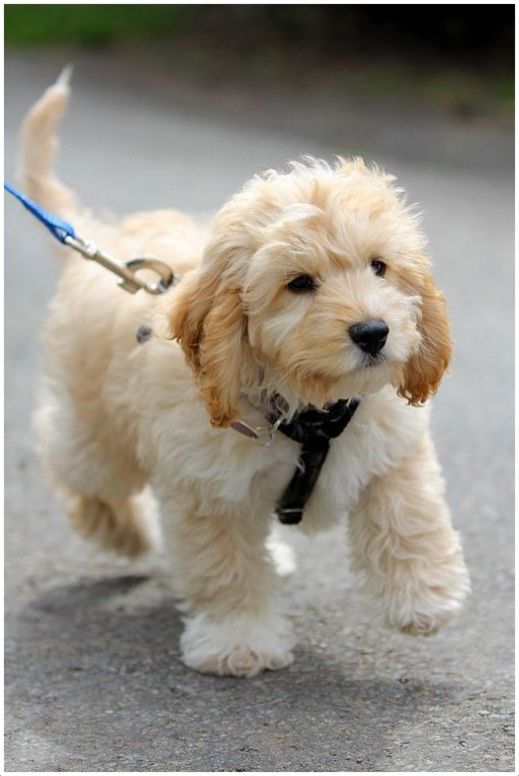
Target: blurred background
{"type": "Point", "coordinates": [176, 106]}
{"type": "Point", "coordinates": [417, 81]}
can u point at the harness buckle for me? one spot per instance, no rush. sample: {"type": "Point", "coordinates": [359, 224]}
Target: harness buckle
{"type": "Point", "coordinates": [262, 435]}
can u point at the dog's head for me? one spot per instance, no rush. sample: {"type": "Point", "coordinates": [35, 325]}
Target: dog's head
{"type": "Point", "coordinates": [314, 284]}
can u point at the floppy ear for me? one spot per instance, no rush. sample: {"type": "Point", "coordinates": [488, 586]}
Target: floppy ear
{"type": "Point", "coordinates": [209, 322]}
{"type": "Point", "coordinates": [424, 370]}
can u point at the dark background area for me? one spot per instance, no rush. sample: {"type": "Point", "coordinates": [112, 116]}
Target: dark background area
{"type": "Point", "coordinates": [478, 35]}
{"type": "Point", "coordinates": [453, 57]}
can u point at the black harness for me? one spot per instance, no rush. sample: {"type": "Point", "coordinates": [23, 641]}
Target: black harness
{"type": "Point", "coordinates": [313, 428]}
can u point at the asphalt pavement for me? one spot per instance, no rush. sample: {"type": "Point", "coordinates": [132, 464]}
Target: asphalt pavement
{"type": "Point", "coordinates": [93, 677]}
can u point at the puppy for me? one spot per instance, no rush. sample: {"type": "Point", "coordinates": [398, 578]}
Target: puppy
{"type": "Point", "coordinates": [310, 287]}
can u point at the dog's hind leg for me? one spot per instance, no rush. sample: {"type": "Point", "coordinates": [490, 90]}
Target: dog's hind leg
{"type": "Point", "coordinates": [115, 525]}
{"type": "Point", "coordinates": [98, 482]}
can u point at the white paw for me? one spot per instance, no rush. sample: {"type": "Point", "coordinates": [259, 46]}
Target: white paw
{"type": "Point", "coordinates": [425, 624]}
{"type": "Point", "coordinates": [236, 646]}
{"type": "Point", "coordinates": [422, 609]}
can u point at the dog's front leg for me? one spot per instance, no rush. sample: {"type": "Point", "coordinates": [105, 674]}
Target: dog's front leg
{"type": "Point", "coordinates": [227, 580]}
{"type": "Point", "coordinates": [403, 541]}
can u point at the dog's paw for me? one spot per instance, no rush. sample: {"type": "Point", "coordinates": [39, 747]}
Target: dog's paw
{"type": "Point", "coordinates": [424, 624]}
{"type": "Point", "coordinates": [422, 609]}
{"type": "Point", "coordinates": [240, 661]}
{"type": "Point", "coordinates": [236, 646]}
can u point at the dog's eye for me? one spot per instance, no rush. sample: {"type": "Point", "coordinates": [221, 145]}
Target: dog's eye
{"type": "Point", "coordinates": [302, 283]}
{"type": "Point", "coordinates": [378, 267]}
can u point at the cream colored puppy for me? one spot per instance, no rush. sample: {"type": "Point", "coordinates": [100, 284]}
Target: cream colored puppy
{"type": "Point", "coordinates": [268, 311]}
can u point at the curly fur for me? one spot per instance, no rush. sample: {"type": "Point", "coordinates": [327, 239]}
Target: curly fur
{"type": "Point", "coordinates": [116, 415]}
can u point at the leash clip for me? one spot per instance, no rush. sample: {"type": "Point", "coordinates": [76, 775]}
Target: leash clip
{"type": "Point", "coordinates": [65, 233]}
{"type": "Point", "coordinates": [127, 272]}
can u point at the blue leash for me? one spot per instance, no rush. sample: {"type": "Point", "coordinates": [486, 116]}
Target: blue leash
{"type": "Point", "coordinates": [65, 233]}
{"type": "Point", "coordinates": [56, 226]}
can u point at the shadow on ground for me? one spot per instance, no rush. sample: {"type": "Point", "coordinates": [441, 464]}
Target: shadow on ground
{"type": "Point", "coordinates": [145, 711]}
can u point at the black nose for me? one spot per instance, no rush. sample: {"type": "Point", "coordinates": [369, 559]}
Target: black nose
{"type": "Point", "coordinates": [370, 336]}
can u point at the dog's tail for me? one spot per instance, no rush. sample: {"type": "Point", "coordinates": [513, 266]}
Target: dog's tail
{"type": "Point", "coordinates": [39, 145]}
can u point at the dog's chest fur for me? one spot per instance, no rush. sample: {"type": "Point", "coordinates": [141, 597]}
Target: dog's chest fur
{"type": "Point", "coordinates": [227, 468]}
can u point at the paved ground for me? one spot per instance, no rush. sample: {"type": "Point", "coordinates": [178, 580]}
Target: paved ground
{"type": "Point", "coordinates": [93, 677]}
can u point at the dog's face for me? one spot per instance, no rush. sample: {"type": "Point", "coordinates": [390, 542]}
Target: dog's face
{"type": "Point", "coordinates": [314, 285]}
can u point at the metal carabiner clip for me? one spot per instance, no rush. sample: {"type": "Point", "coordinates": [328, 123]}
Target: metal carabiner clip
{"type": "Point", "coordinates": [127, 272]}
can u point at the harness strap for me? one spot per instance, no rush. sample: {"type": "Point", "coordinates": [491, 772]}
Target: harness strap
{"type": "Point", "coordinates": [313, 429]}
